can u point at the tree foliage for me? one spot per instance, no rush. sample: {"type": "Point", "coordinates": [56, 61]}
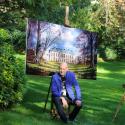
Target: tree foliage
{"type": "Point", "coordinates": [107, 17]}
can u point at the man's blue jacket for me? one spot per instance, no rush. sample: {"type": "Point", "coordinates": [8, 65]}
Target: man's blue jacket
{"type": "Point", "coordinates": [56, 86]}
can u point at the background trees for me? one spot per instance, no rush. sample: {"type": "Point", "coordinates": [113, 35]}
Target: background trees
{"type": "Point", "coordinates": [107, 17]}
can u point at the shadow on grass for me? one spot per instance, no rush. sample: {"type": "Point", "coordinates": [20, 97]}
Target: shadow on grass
{"type": "Point", "coordinates": [36, 94]}
{"type": "Point", "coordinates": [101, 99]}
{"type": "Point", "coordinates": [34, 99]}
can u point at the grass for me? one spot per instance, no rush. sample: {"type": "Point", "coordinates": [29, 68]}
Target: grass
{"type": "Point", "coordinates": [100, 96]}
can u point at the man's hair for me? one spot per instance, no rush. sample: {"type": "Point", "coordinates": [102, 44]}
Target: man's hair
{"type": "Point", "coordinates": [64, 63]}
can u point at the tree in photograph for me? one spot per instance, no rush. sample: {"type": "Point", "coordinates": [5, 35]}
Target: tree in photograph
{"type": "Point", "coordinates": [84, 47]}
{"type": "Point", "coordinates": [48, 36]}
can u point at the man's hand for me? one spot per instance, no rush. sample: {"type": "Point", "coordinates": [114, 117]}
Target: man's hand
{"type": "Point", "coordinates": [78, 102]}
{"type": "Point", "coordinates": [64, 102]}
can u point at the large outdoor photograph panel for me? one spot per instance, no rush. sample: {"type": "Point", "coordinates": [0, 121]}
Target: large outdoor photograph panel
{"type": "Point", "coordinates": [50, 44]}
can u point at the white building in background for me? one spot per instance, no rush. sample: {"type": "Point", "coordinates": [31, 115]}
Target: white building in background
{"type": "Point", "coordinates": [60, 55]}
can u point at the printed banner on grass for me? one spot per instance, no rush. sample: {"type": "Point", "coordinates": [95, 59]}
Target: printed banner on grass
{"type": "Point", "coordinates": [50, 44]}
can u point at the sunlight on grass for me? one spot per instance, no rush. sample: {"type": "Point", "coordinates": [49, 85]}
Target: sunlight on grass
{"type": "Point", "coordinates": [21, 57]}
{"type": "Point", "coordinates": [90, 111]}
{"type": "Point", "coordinates": [122, 72]}
{"type": "Point", "coordinates": [100, 96]}
{"type": "Point", "coordinates": [39, 104]}
{"type": "Point", "coordinates": [102, 70]}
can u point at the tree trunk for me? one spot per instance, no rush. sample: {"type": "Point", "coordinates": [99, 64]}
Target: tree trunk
{"type": "Point", "coordinates": [66, 20]}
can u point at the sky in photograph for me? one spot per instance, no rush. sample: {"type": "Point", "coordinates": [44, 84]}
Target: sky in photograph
{"type": "Point", "coordinates": [67, 40]}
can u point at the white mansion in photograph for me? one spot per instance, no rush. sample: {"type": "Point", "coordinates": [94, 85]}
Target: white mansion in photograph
{"type": "Point", "coordinates": [60, 55]}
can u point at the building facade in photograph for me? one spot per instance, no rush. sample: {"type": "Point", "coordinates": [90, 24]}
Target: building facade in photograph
{"type": "Point", "coordinates": [60, 55]}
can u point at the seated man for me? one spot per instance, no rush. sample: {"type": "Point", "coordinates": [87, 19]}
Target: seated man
{"type": "Point", "coordinates": [62, 92]}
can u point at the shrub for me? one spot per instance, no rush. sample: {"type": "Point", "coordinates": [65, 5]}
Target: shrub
{"type": "Point", "coordinates": [4, 36]}
{"type": "Point", "coordinates": [12, 78]}
{"type": "Point", "coordinates": [19, 40]}
{"type": "Point", "coordinates": [111, 54]}
{"type": "Point", "coordinates": [15, 37]}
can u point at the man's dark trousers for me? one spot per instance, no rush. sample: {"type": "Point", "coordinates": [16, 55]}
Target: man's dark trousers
{"type": "Point", "coordinates": [60, 109]}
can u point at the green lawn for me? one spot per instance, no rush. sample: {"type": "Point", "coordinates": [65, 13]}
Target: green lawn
{"type": "Point", "coordinates": [100, 96]}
